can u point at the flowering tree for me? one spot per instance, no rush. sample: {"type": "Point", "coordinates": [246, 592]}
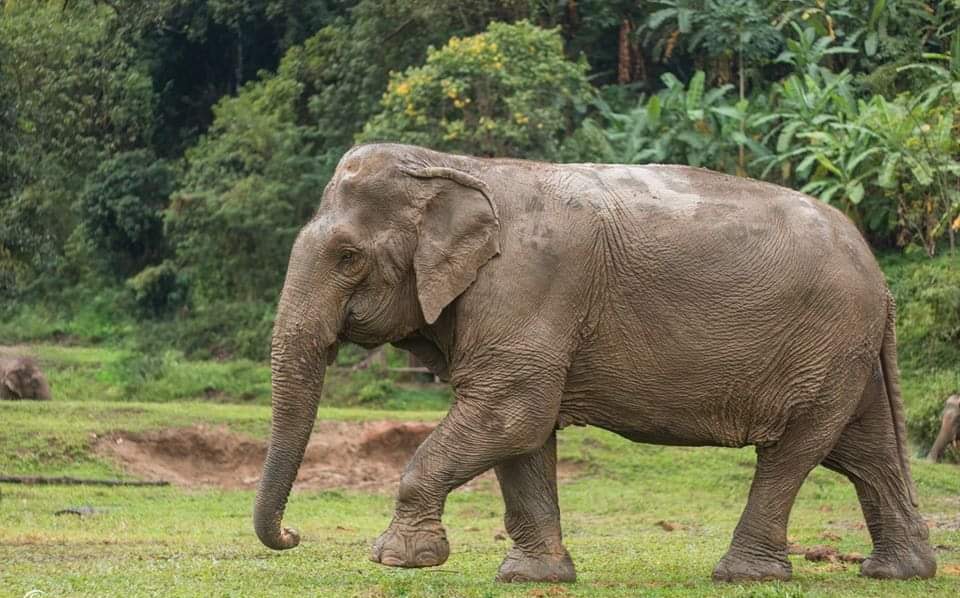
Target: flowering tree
{"type": "Point", "coordinates": [509, 91]}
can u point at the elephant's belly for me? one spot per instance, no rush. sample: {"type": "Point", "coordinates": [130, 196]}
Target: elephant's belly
{"type": "Point", "coordinates": [679, 417]}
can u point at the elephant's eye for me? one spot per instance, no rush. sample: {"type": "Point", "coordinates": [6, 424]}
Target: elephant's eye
{"type": "Point", "coordinates": [348, 258]}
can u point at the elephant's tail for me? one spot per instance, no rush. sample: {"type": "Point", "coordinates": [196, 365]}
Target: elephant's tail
{"type": "Point", "coordinates": [891, 380]}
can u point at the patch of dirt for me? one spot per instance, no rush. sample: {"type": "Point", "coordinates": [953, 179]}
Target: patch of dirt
{"type": "Point", "coordinates": [353, 455]}
{"type": "Point", "coordinates": [16, 351]}
{"type": "Point", "coordinates": [548, 592]}
{"type": "Point", "coordinates": [828, 554]}
{"type": "Point", "coordinates": [670, 526]}
{"type": "Point", "coordinates": [944, 522]}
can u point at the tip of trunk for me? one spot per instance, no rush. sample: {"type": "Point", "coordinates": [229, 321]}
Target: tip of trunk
{"type": "Point", "coordinates": [267, 521]}
{"type": "Point", "coordinates": [276, 537]}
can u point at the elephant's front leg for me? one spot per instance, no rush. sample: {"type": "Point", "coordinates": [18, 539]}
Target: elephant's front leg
{"type": "Point", "coordinates": [529, 487]}
{"type": "Point", "coordinates": [481, 431]}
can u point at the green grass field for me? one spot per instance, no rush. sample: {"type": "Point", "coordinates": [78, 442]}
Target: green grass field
{"type": "Point", "coordinates": [169, 541]}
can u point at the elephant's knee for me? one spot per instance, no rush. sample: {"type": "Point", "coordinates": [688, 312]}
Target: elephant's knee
{"type": "Point", "coordinates": [408, 482]}
{"type": "Point", "coordinates": [526, 438]}
{"type": "Point", "coordinates": [411, 487]}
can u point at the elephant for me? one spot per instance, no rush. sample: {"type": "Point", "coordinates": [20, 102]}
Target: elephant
{"type": "Point", "coordinates": [667, 304]}
{"type": "Point", "coordinates": [949, 429]}
{"type": "Point", "coordinates": [21, 378]}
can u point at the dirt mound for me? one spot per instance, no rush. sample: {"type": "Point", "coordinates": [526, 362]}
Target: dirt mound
{"type": "Point", "coordinates": [367, 455]}
{"type": "Point", "coordinates": [196, 456]}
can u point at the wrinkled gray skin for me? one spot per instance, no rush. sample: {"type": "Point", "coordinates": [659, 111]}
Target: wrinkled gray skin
{"type": "Point", "coordinates": [668, 304]}
{"type": "Point", "coordinates": [949, 429]}
{"type": "Point", "coordinates": [20, 378]}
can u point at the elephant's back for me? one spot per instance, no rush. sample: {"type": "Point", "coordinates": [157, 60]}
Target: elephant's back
{"type": "Point", "coordinates": [686, 195]}
{"type": "Point", "coordinates": [699, 214]}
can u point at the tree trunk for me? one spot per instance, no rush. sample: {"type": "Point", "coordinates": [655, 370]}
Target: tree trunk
{"type": "Point", "coordinates": [624, 56]}
{"type": "Point", "coordinates": [238, 73]}
{"type": "Point", "coordinates": [741, 163]}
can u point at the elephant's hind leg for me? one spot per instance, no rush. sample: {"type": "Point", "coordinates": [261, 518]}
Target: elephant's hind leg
{"type": "Point", "coordinates": [758, 551]}
{"type": "Point", "coordinates": [868, 454]}
{"type": "Point", "coordinates": [532, 518]}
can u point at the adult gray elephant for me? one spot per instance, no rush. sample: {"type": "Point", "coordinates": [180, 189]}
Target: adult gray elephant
{"type": "Point", "coordinates": [949, 428]}
{"type": "Point", "coordinates": [667, 304]}
{"type": "Point", "coordinates": [21, 378]}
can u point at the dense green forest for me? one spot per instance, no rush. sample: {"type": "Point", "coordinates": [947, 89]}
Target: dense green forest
{"type": "Point", "coordinates": [158, 156]}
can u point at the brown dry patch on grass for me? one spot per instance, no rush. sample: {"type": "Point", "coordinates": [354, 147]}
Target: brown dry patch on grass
{"type": "Point", "coordinates": [17, 351]}
{"type": "Point", "coordinates": [350, 455]}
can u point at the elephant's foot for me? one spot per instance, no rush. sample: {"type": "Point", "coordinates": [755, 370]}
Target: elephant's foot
{"type": "Point", "coordinates": [736, 567]}
{"type": "Point", "coordinates": [406, 546]}
{"type": "Point", "coordinates": [520, 566]}
{"type": "Point", "coordinates": [916, 561]}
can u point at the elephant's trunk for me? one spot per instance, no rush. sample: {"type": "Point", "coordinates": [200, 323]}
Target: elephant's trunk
{"type": "Point", "coordinates": [948, 433]}
{"type": "Point", "coordinates": [303, 337]}
{"type": "Point", "coordinates": [297, 384]}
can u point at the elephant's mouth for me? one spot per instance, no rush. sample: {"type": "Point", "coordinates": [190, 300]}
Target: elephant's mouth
{"type": "Point", "coordinates": [352, 331]}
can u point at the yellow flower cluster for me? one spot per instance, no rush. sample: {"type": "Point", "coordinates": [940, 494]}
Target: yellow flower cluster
{"type": "Point", "coordinates": [476, 45]}
{"type": "Point", "coordinates": [451, 91]}
{"type": "Point", "coordinates": [414, 79]}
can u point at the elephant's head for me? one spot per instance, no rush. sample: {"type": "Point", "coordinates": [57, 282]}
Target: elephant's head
{"type": "Point", "coordinates": [949, 429]}
{"type": "Point", "coordinates": [23, 379]}
{"type": "Point", "coordinates": [401, 232]}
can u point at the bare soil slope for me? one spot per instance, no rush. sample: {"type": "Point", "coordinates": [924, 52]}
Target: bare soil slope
{"type": "Point", "coordinates": [352, 455]}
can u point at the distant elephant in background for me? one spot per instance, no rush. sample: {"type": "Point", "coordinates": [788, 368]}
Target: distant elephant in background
{"type": "Point", "coordinates": [949, 429]}
{"type": "Point", "coordinates": [21, 378]}
{"type": "Point", "coordinates": [667, 304]}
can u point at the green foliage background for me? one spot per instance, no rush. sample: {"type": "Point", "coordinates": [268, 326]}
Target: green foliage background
{"type": "Point", "coordinates": [158, 156]}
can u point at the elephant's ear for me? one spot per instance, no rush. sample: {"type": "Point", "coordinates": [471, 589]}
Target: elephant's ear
{"type": "Point", "coordinates": [459, 233]}
{"type": "Point", "coordinates": [8, 385]}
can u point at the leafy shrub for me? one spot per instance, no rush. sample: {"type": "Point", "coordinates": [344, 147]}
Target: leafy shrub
{"type": "Point", "coordinates": [122, 206]}
{"type": "Point", "coordinates": [507, 92]}
{"type": "Point", "coordinates": [376, 391]}
{"type": "Point", "coordinates": [928, 302]}
{"type": "Point", "coordinates": [893, 166]}
{"type": "Point", "coordinates": [233, 246]}
{"type": "Point", "coordinates": [682, 124]}
{"type": "Point", "coordinates": [157, 289]}
{"type": "Point", "coordinates": [217, 330]}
